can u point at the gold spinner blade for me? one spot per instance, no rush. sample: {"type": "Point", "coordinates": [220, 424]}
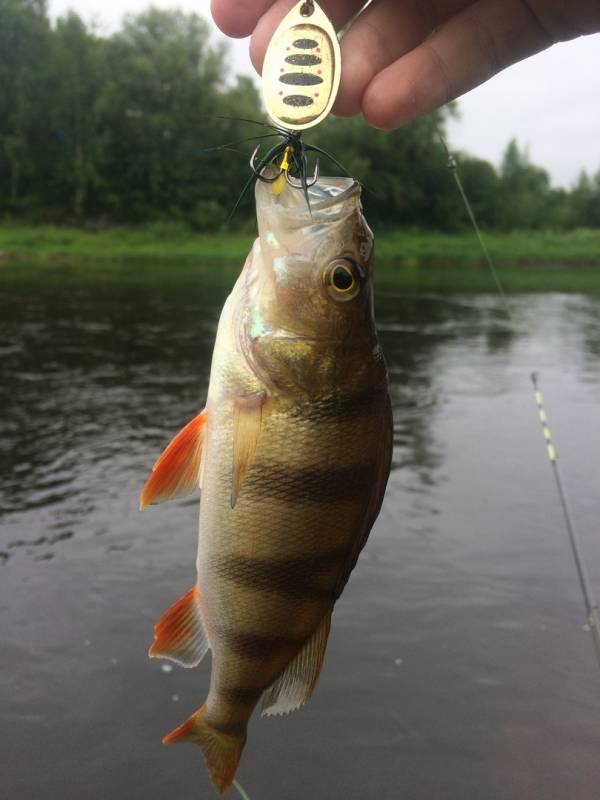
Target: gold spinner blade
{"type": "Point", "coordinates": [301, 71]}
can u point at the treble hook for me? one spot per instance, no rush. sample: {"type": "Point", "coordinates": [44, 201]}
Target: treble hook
{"type": "Point", "coordinates": [258, 174]}
{"type": "Point", "coordinates": [299, 184]}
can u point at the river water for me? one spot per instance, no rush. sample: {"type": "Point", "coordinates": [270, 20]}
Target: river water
{"type": "Point", "coordinates": [458, 667]}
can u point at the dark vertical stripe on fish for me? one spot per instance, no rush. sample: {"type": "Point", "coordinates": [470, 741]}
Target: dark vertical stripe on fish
{"type": "Point", "coordinates": [341, 407]}
{"type": "Point", "coordinates": [311, 485]}
{"type": "Point", "coordinates": [292, 577]}
{"type": "Point", "coordinates": [239, 695]}
{"type": "Point", "coordinates": [256, 645]}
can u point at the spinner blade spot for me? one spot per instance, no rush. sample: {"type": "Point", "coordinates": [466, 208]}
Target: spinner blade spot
{"type": "Point", "coordinates": [305, 44]}
{"type": "Point", "coordinates": [298, 100]}
{"type": "Point", "coordinates": [300, 79]}
{"type": "Point", "coordinates": [303, 60]}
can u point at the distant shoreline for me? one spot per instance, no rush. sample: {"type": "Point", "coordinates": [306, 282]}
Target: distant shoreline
{"type": "Point", "coordinates": [170, 242]}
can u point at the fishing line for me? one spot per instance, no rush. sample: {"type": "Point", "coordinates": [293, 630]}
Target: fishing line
{"type": "Point", "coordinates": [453, 167]}
{"type": "Point", "coordinates": [243, 794]}
{"type": "Point", "coordinates": [249, 120]}
{"type": "Point", "coordinates": [230, 145]}
{"type": "Point", "coordinates": [590, 603]}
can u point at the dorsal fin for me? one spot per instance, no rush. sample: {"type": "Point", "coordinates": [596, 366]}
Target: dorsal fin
{"type": "Point", "coordinates": [177, 469]}
{"type": "Point", "coordinates": [179, 634]}
{"type": "Point", "coordinates": [297, 682]}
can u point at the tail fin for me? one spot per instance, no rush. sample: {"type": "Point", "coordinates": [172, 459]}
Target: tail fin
{"type": "Point", "coordinates": [221, 751]}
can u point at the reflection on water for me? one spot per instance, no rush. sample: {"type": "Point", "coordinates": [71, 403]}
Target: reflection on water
{"type": "Point", "coordinates": [457, 667]}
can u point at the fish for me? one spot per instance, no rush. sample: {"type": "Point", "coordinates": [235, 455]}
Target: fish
{"type": "Point", "coordinates": [292, 453]}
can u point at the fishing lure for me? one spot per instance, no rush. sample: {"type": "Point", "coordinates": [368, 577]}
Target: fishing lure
{"type": "Point", "coordinates": [300, 81]}
{"type": "Point", "coordinates": [302, 67]}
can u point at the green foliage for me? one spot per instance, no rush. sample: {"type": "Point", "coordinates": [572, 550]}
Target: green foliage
{"type": "Point", "coordinates": [404, 171]}
{"type": "Point", "coordinates": [585, 201]}
{"type": "Point", "coordinates": [525, 191]}
{"type": "Point", "coordinates": [78, 73]}
{"type": "Point", "coordinates": [25, 41]}
{"type": "Point", "coordinates": [143, 127]}
{"type": "Point", "coordinates": [206, 216]}
{"type": "Point", "coordinates": [172, 241]}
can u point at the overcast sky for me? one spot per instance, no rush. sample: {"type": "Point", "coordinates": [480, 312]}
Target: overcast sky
{"type": "Point", "coordinates": [550, 103]}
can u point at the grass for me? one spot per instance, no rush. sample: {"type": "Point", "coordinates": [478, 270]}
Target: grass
{"type": "Point", "coordinates": [517, 248]}
{"type": "Point", "coordinates": [168, 255]}
{"type": "Point", "coordinates": [173, 242]}
{"type": "Point", "coordinates": [158, 242]}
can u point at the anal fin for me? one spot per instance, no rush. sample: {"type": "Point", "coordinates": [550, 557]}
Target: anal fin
{"type": "Point", "coordinates": [179, 634]}
{"type": "Point", "coordinates": [297, 682]}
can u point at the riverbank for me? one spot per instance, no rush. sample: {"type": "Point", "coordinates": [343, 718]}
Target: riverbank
{"type": "Point", "coordinates": [172, 242]}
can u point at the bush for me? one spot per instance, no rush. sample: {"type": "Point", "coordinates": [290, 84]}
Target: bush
{"type": "Point", "coordinates": [207, 216]}
{"type": "Point", "coordinates": [167, 229]}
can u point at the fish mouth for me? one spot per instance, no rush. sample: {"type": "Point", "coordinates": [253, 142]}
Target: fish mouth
{"type": "Point", "coordinates": [330, 191]}
{"type": "Point", "coordinates": [329, 199]}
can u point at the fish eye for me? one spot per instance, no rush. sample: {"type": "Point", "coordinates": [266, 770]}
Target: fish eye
{"type": "Point", "coordinates": [342, 279]}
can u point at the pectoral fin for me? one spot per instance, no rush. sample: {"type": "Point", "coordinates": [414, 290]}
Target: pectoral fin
{"type": "Point", "coordinates": [247, 419]}
{"type": "Point", "coordinates": [177, 470]}
{"type": "Point", "coordinates": [297, 682]}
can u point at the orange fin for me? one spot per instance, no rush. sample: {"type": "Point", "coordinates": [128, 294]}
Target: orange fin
{"type": "Point", "coordinates": [247, 420]}
{"type": "Point", "coordinates": [177, 470]}
{"type": "Point", "coordinates": [222, 751]}
{"type": "Point", "coordinates": [179, 634]}
{"type": "Point", "coordinates": [297, 682]}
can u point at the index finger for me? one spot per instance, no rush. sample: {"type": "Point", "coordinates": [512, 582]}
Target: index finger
{"type": "Point", "coordinates": [338, 11]}
{"type": "Point", "coordinates": [238, 18]}
{"type": "Point", "coordinates": [463, 52]}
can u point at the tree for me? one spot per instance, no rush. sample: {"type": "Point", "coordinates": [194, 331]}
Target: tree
{"type": "Point", "coordinates": [585, 201]}
{"type": "Point", "coordinates": [404, 171]}
{"type": "Point", "coordinates": [24, 46]}
{"type": "Point", "coordinates": [525, 190]}
{"type": "Point", "coordinates": [145, 125]}
{"type": "Point", "coordinates": [161, 93]}
{"type": "Point", "coordinates": [78, 70]}
{"type": "Point", "coordinates": [483, 188]}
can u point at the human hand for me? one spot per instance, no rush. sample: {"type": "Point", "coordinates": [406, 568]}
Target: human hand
{"type": "Point", "coordinates": [403, 58]}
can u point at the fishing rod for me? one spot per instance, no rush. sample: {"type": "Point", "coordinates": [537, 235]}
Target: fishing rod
{"type": "Point", "coordinates": [591, 606]}
{"type": "Point", "coordinates": [589, 600]}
